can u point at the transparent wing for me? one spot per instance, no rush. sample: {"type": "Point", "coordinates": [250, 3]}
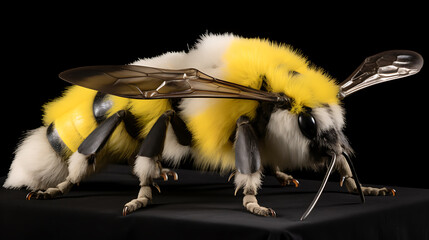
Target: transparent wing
{"type": "Point", "coordinates": [142, 82]}
{"type": "Point", "coordinates": [380, 68]}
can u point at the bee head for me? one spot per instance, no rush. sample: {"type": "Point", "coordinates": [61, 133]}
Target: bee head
{"type": "Point", "coordinates": [312, 133]}
{"type": "Point", "coordinates": [323, 127]}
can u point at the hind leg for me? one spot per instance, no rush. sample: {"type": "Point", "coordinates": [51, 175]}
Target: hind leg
{"type": "Point", "coordinates": [285, 179]}
{"type": "Point", "coordinates": [78, 169]}
{"type": "Point", "coordinates": [248, 164]}
{"type": "Point", "coordinates": [82, 162]}
{"type": "Point", "coordinates": [348, 179]}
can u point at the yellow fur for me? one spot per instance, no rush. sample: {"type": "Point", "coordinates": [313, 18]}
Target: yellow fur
{"type": "Point", "coordinates": [75, 125]}
{"type": "Point", "coordinates": [248, 62]}
{"type": "Point", "coordinates": [212, 129]}
{"type": "Point", "coordinates": [73, 117]}
{"type": "Point", "coordinates": [249, 59]}
{"type": "Point", "coordinates": [72, 96]}
{"type": "Point", "coordinates": [147, 112]}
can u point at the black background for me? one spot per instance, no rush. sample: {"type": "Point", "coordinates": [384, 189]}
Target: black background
{"type": "Point", "coordinates": [386, 124]}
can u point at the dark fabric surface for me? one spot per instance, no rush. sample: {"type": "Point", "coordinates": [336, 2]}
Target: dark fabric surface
{"type": "Point", "coordinates": [202, 206]}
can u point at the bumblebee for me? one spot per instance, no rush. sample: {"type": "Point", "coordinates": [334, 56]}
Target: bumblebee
{"type": "Point", "coordinates": [232, 104]}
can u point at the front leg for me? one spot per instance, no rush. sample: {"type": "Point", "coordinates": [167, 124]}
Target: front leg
{"type": "Point", "coordinates": [347, 178]}
{"type": "Point", "coordinates": [285, 179]}
{"type": "Point", "coordinates": [248, 164]}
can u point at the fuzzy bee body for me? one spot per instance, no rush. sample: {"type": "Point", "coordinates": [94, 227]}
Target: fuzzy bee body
{"type": "Point", "coordinates": [302, 127]}
{"type": "Point", "coordinates": [92, 108]}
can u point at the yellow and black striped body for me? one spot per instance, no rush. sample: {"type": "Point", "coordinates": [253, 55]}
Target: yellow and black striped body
{"type": "Point", "coordinates": [72, 117]}
{"type": "Point", "coordinates": [254, 63]}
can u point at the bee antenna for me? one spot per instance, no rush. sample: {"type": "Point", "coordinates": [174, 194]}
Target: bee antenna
{"type": "Point", "coordinates": [322, 186]}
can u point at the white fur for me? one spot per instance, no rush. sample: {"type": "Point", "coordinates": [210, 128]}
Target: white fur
{"type": "Point", "coordinates": [168, 60]}
{"type": "Point", "coordinates": [36, 164]}
{"type": "Point", "coordinates": [249, 182]}
{"type": "Point", "coordinates": [145, 169]}
{"type": "Point", "coordinates": [206, 56]}
{"type": "Point", "coordinates": [78, 167]}
{"type": "Point", "coordinates": [323, 118]}
{"type": "Point", "coordinates": [337, 114]}
{"type": "Point", "coordinates": [329, 117]}
{"type": "Point", "coordinates": [174, 152]}
{"type": "Point", "coordinates": [285, 146]}
{"type": "Point", "coordinates": [191, 107]}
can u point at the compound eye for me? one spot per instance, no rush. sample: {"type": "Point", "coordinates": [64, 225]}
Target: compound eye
{"type": "Point", "coordinates": [307, 125]}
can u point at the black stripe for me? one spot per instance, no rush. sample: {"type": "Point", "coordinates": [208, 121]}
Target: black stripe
{"type": "Point", "coordinates": [56, 142]}
{"type": "Point", "coordinates": [131, 125]}
{"type": "Point", "coordinates": [263, 115]}
{"type": "Point", "coordinates": [175, 102]}
{"type": "Point", "coordinates": [101, 105]}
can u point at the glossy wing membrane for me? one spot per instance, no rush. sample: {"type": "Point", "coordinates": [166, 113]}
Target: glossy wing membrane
{"type": "Point", "coordinates": [382, 67]}
{"type": "Point", "coordinates": [142, 82]}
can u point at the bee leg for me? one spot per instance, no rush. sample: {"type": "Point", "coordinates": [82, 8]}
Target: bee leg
{"type": "Point", "coordinates": [232, 175]}
{"type": "Point", "coordinates": [82, 162]}
{"type": "Point", "coordinates": [99, 137]}
{"type": "Point", "coordinates": [250, 184]}
{"type": "Point", "coordinates": [348, 179]}
{"type": "Point", "coordinates": [248, 164]}
{"type": "Point", "coordinates": [50, 193]}
{"type": "Point", "coordinates": [153, 145]}
{"type": "Point", "coordinates": [142, 200]}
{"type": "Point", "coordinates": [165, 172]}
{"type": "Point", "coordinates": [147, 165]}
{"type": "Point", "coordinates": [285, 179]}
{"type": "Point", "coordinates": [78, 169]}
